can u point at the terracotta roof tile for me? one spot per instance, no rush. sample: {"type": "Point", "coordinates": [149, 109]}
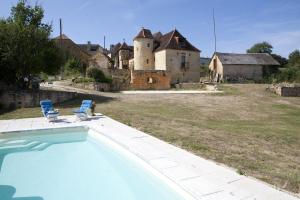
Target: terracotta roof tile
{"type": "Point", "coordinates": [124, 46]}
{"type": "Point", "coordinates": [174, 40]}
{"type": "Point", "coordinates": [144, 33]}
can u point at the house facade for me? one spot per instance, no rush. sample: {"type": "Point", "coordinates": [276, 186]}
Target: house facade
{"type": "Point", "coordinates": [238, 67]}
{"type": "Point", "coordinates": [170, 52]}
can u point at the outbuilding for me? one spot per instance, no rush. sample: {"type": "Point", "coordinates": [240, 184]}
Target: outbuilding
{"type": "Point", "coordinates": [239, 67]}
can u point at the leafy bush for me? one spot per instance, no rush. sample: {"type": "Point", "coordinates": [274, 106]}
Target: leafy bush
{"type": "Point", "coordinates": [204, 71]}
{"type": "Point", "coordinates": [290, 74]}
{"type": "Point", "coordinates": [83, 80]}
{"type": "Point", "coordinates": [98, 75]}
{"type": "Point", "coordinates": [74, 67]}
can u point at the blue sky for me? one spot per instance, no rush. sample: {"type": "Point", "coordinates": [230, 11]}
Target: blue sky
{"type": "Point", "coordinates": [240, 23]}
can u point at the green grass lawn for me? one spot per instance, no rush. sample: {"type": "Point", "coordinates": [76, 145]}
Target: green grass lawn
{"type": "Point", "coordinates": [247, 128]}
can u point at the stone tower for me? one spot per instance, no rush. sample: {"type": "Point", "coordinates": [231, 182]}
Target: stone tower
{"type": "Point", "coordinates": [143, 50]}
{"type": "Point", "coordinates": [124, 56]}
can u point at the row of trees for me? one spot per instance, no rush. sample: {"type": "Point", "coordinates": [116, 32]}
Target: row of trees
{"type": "Point", "coordinates": [289, 68]}
{"type": "Point", "coordinates": [25, 45]}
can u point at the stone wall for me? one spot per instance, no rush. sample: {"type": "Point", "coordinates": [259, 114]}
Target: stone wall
{"type": "Point", "coordinates": [121, 79]}
{"type": "Point", "coordinates": [190, 86]}
{"type": "Point", "coordinates": [22, 99]}
{"type": "Point", "coordinates": [100, 61]}
{"type": "Point", "coordinates": [191, 74]}
{"type": "Point", "coordinates": [286, 91]}
{"type": "Point", "coordinates": [143, 54]}
{"type": "Point", "coordinates": [103, 87]}
{"type": "Point", "coordinates": [247, 72]}
{"type": "Point", "coordinates": [150, 80]}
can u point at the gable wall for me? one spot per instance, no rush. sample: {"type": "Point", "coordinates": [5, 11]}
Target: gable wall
{"type": "Point", "coordinates": [173, 65]}
{"type": "Point", "coordinates": [100, 60]}
{"type": "Point", "coordinates": [219, 69]}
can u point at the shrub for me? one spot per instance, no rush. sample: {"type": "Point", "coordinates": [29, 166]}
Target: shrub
{"type": "Point", "coordinates": [290, 74]}
{"type": "Point", "coordinates": [98, 75]}
{"type": "Point", "coordinates": [83, 80]}
{"type": "Point", "coordinates": [74, 67]}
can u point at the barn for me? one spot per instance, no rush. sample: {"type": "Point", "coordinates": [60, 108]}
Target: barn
{"type": "Point", "coordinates": [239, 67]}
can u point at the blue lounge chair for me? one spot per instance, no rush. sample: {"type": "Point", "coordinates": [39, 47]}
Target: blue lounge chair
{"type": "Point", "coordinates": [48, 110]}
{"type": "Point", "coordinates": [82, 112]}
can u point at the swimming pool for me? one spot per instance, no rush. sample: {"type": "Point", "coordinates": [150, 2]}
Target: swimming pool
{"type": "Point", "coordinates": [76, 164]}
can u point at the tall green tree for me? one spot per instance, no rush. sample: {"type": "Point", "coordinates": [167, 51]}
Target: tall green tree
{"type": "Point", "coordinates": [25, 44]}
{"type": "Point", "coordinates": [282, 60]}
{"type": "Point", "coordinates": [263, 47]}
{"type": "Point", "coordinates": [294, 59]}
{"type": "Point", "coordinates": [292, 71]}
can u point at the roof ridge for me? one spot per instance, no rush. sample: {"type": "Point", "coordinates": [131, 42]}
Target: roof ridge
{"type": "Point", "coordinates": [242, 53]}
{"type": "Point", "coordinates": [170, 38]}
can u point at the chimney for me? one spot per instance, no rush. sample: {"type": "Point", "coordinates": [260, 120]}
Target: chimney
{"type": "Point", "coordinates": [89, 46]}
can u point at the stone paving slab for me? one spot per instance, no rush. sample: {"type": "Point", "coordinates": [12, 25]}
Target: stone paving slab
{"type": "Point", "coordinates": [203, 179]}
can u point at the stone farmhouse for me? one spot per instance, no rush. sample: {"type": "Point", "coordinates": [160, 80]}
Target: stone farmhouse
{"type": "Point", "coordinates": [238, 67]}
{"type": "Point", "coordinates": [153, 57]}
{"type": "Point", "coordinates": [89, 54]}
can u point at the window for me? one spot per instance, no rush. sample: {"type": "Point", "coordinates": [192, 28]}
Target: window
{"type": "Point", "coordinates": [150, 80]}
{"type": "Point", "coordinates": [183, 60]}
{"type": "Point", "coordinates": [148, 45]}
{"type": "Point", "coordinates": [147, 61]}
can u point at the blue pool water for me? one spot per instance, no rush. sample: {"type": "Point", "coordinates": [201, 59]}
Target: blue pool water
{"type": "Point", "coordinates": [67, 164]}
